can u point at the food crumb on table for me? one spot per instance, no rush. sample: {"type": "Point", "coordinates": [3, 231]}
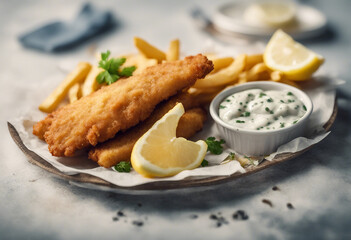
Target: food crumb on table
{"type": "Point", "coordinates": [240, 215]}
{"type": "Point", "coordinates": [268, 202]}
{"type": "Point", "coordinates": [220, 220]}
{"type": "Point", "coordinates": [290, 206]}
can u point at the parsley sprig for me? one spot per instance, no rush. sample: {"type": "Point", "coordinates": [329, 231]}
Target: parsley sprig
{"type": "Point", "coordinates": [112, 69]}
{"type": "Point", "coordinates": [123, 166]}
{"type": "Point", "coordinates": [204, 163]}
{"type": "Point", "coordinates": [214, 146]}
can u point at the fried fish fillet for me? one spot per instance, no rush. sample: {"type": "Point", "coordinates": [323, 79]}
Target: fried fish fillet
{"type": "Point", "coordinates": [117, 107]}
{"type": "Point", "coordinates": [119, 148]}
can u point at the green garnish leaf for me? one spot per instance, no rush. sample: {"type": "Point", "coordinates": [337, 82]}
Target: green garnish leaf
{"type": "Point", "coordinates": [204, 163]}
{"type": "Point", "coordinates": [214, 146]}
{"type": "Point", "coordinates": [128, 71]}
{"type": "Point", "coordinates": [104, 56]}
{"type": "Point", "coordinates": [112, 69]}
{"type": "Point", "coordinates": [230, 157]}
{"type": "Point", "coordinates": [123, 166]}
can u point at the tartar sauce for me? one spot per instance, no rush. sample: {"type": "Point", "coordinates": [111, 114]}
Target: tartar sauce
{"type": "Point", "coordinates": [256, 109]}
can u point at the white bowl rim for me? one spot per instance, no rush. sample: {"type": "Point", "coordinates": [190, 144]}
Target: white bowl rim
{"type": "Point", "coordinates": [257, 84]}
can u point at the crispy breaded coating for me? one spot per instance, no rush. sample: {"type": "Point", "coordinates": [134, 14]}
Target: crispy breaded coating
{"type": "Point", "coordinates": [117, 107]}
{"type": "Point", "coordinates": [119, 148]}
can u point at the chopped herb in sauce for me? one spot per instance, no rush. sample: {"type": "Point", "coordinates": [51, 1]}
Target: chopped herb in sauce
{"type": "Point", "coordinates": [268, 110]}
{"type": "Point", "coordinates": [273, 108]}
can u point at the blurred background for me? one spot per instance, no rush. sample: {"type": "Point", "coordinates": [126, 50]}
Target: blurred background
{"type": "Point", "coordinates": [38, 205]}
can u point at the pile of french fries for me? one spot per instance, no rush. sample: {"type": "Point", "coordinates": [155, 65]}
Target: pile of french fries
{"type": "Point", "coordinates": [227, 71]}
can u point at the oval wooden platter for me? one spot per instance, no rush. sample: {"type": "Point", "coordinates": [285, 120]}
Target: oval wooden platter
{"type": "Point", "coordinates": [161, 185]}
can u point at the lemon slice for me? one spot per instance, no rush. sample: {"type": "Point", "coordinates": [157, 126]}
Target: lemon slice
{"type": "Point", "coordinates": [159, 153]}
{"type": "Point", "coordinates": [270, 13]}
{"type": "Point", "coordinates": [283, 54]}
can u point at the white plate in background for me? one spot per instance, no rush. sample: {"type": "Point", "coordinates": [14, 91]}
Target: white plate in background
{"type": "Point", "coordinates": [309, 22]}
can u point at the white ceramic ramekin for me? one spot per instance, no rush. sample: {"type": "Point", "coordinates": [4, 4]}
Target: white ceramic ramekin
{"type": "Point", "coordinates": [254, 142]}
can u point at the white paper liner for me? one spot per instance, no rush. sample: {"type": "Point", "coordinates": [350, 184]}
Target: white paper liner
{"type": "Point", "coordinates": [322, 93]}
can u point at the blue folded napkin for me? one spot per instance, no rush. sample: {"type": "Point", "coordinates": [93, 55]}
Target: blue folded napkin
{"type": "Point", "coordinates": [58, 36]}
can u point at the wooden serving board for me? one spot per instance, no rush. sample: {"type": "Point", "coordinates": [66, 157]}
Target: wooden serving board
{"type": "Point", "coordinates": [161, 185]}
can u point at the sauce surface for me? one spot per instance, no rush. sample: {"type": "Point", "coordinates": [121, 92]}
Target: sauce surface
{"type": "Point", "coordinates": [255, 109]}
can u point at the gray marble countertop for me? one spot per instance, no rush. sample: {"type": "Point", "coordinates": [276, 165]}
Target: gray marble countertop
{"type": "Point", "coordinates": [37, 205]}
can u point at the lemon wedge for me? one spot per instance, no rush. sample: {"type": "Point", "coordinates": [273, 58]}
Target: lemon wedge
{"type": "Point", "coordinates": [159, 153]}
{"type": "Point", "coordinates": [291, 58]}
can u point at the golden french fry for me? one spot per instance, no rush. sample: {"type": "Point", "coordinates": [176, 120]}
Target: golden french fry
{"type": "Point", "coordinates": [140, 62]}
{"type": "Point", "coordinates": [258, 68]}
{"type": "Point", "coordinates": [204, 98]}
{"type": "Point", "coordinates": [265, 76]}
{"type": "Point", "coordinates": [76, 76]}
{"type": "Point", "coordinates": [204, 95]}
{"type": "Point", "coordinates": [276, 76]}
{"type": "Point", "coordinates": [197, 91]}
{"type": "Point", "coordinates": [257, 72]}
{"type": "Point", "coordinates": [73, 93]}
{"type": "Point", "coordinates": [220, 63]}
{"type": "Point", "coordinates": [252, 60]}
{"type": "Point", "coordinates": [131, 59]}
{"type": "Point", "coordinates": [289, 82]}
{"type": "Point", "coordinates": [225, 76]}
{"type": "Point", "coordinates": [242, 78]}
{"type": "Point", "coordinates": [211, 55]}
{"type": "Point", "coordinates": [173, 50]}
{"type": "Point", "coordinates": [148, 50]}
{"type": "Point", "coordinates": [90, 84]}
{"type": "Point", "coordinates": [97, 56]}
